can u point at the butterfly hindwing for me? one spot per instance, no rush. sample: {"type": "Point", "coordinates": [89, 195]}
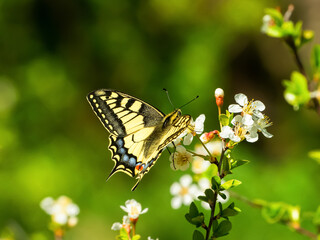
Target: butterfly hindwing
{"type": "Point", "coordinates": [138, 131]}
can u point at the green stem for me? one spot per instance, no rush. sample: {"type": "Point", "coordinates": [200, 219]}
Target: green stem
{"type": "Point", "coordinates": [213, 206]}
{"type": "Point", "coordinates": [196, 154]}
{"type": "Point", "coordinates": [205, 147]}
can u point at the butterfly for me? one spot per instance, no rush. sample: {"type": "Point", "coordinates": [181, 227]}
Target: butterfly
{"type": "Point", "coordinates": [138, 131]}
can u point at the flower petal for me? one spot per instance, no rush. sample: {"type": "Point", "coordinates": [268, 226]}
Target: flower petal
{"type": "Point", "coordinates": [247, 120]}
{"type": "Point", "coordinates": [176, 202]}
{"type": "Point", "coordinates": [253, 137]}
{"type": "Point", "coordinates": [258, 105]}
{"type": "Point", "coordinates": [188, 139]}
{"type": "Point", "coordinates": [234, 108]}
{"type": "Point", "coordinates": [266, 133]}
{"type": "Point", "coordinates": [175, 188]}
{"type": "Point", "coordinates": [241, 99]}
{"type": "Point", "coordinates": [187, 199]}
{"type": "Point", "coordinates": [181, 149]}
{"type": "Point", "coordinates": [185, 180]}
{"type": "Point", "coordinates": [226, 131]}
{"type": "Point", "coordinates": [116, 226]}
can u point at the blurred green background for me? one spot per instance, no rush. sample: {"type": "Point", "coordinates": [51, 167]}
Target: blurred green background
{"type": "Point", "coordinates": [53, 52]}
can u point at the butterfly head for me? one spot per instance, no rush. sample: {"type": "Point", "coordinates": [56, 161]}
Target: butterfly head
{"type": "Point", "coordinates": [172, 119]}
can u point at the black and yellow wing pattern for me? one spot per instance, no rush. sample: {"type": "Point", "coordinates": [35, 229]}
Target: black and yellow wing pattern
{"type": "Point", "coordinates": [138, 131]}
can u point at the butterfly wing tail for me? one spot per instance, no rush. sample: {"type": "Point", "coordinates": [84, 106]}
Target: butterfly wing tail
{"type": "Point", "coordinates": [135, 186]}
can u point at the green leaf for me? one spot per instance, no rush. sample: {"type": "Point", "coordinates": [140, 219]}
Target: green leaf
{"type": "Point", "coordinates": [296, 91]}
{"type": "Point", "coordinates": [273, 212]}
{"type": "Point", "coordinates": [193, 210]}
{"type": "Point", "coordinates": [237, 163]}
{"type": "Point", "coordinates": [315, 155]}
{"type": "Point", "coordinates": [215, 225]}
{"type": "Point", "coordinates": [215, 182]}
{"type": "Point", "coordinates": [209, 194]}
{"type": "Point", "coordinates": [223, 228]}
{"type": "Point", "coordinates": [136, 237]}
{"type": "Point", "coordinates": [288, 29]}
{"type": "Point", "coordinates": [224, 120]}
{"type": "Point", "coordinates": [231, 210]}
{"type": "Point", "coordinates": [275, 31]}
{"type": "Point", "coordinates": [226, 165]}
{"type": "Point", "coordinates": [316, 218]}
{"type": "Point", "coordinates": [197, 235]}
{"type": "Point", "coordinates": [315, 61]}
{"type": "Point", "coordinates": [123, 235]}
{"type": "Point", "coordinates": [230, 184]}
{"type": "Point", "coordinates": [203, 198]}
{"type": "Point", "coordinates": [275, 15]}
{"type": "Point", "coordinates": [194, 217]}
{"type": "Point", "coordinates": [223, 195]}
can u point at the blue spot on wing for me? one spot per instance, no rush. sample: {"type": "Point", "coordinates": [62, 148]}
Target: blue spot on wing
{"type": "Point", "coordinates": [120, 142]}
{"type": "Point", "coordinates": [132, 161]}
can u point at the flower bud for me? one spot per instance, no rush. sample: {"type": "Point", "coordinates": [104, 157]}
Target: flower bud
{"type": "Point", "coordinates": [219, 94]}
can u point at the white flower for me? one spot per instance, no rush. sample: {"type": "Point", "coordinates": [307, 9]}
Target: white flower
{"type": "Point", "coordinates": [72, 209]}
{"type": "Point", "coordinates": [125, 224]}
{"type": "Point", "coordinates": [214, 147]}
{"type": "Point", "coordinates": [180, 159]}
{"type": "Point", "coordinates": [133, 208]}
{"type": "Point", "coordinates": [199, 165]}
{"type": "Point", "coordinates": [60, 218]}
{"type": "Point", "coordinates": [247, 108]}
{"type": "Point", "coordinates": [196, 127]}
{"type": "Point", "coordinates": [244, 131]}
{"type": "Point", "coordinates": [46, 204]}
{"type": "Point", "coordinates": [72, 221]}
{"type": "Point", "coordinates": [227, 132]}
{"type": "Point", "coordinates": [63, 211]}
{"type": "Point", "coordinates": [261, 125]}
{"type": "Point", "coordinates": [184, 192]}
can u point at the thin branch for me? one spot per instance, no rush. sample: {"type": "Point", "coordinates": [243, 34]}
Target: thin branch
{"type": "Point", "coordinates": [297, 228]}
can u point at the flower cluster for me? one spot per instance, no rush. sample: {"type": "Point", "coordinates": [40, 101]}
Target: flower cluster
{"type": "Point", "coordinates": [250, 121]}
{"type": "Point", "coordinates": [63, 213]}
{"type": "Point", "coordinates": [129, 221]}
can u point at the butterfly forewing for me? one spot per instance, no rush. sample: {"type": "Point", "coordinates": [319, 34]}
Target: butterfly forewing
{"type": "Point", "coordinates": [137, 132]}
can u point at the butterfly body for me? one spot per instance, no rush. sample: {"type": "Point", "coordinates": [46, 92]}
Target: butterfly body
{"type": "Point", "coordinates": [138, 131]}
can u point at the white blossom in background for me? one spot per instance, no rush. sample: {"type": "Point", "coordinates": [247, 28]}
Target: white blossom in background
{"type": "Point", "coordinates": [180, 159]}
{"type": "Point", "coordinates": [125, 224]}
{"type": "Point", "coordinates": [62, 211]}
{"type": "Point", "coordinates": [184, 192]}
{"type": "Point", "coordinates": [214, 147]}
{"type": "Point", "coordinates": [199, 165]}
{"type": "Point", "coordinates": [133, 208]}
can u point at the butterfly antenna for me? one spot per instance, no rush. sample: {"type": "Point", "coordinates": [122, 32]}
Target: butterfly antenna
{"type": "Point", "coordinates": [168, 97]}
{"type": "Point", "coordinates": [188, 102]}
